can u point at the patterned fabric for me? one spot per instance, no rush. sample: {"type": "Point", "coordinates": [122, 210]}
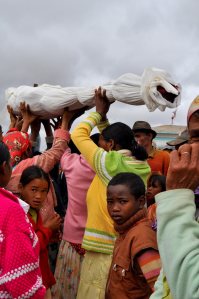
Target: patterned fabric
{"type": "Point", "coordinates": [78, 248]}
{"type": "Point", "coordinates": [99, 234]}
{"type": "Point", "coordinates": [17, 142]}
{"type": "Point", "coordinates": [67, 273]}
{"type": "Point", "coordinates": [20, 275]}
{"type": "Point", "coordinates": [150, 264]}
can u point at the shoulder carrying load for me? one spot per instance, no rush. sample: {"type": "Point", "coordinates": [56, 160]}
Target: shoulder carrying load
{"type": "Point", "coordinates": [155, 89]}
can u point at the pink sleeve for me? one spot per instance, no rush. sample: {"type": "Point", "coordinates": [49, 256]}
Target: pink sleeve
{"type": "Point", "coordinates": [20, 273]}
{"type": "Point", "coordinates": [68, 160]}
{"type": "Point", "coordinates": [49, 158]}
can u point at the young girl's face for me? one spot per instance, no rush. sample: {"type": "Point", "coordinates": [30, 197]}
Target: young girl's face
{"type": "Point", "coordinates": [35, 192]}
{"type": "Point", "coordinates": [104, 144]}
{"type": "Point", "coordinates": [153, 188]}
{"type": "Point", "coordinates": [122, 204]}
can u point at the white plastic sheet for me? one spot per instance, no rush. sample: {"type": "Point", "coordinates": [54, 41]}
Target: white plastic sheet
{"type": "Point", "coordinates": [155, 89]}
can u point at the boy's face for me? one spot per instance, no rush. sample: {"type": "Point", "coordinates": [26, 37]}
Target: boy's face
{"type": "Point", "coordinates": [34, 193]}
{"type": "Point", "coordinates": [122, 204]}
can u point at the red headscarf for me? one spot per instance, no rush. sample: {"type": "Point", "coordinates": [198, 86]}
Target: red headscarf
{"type": "Point", "coordinates": [17, 143]}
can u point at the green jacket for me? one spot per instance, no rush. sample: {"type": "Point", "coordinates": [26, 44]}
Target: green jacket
{"type": "Point", "coordinates": [178, 242]}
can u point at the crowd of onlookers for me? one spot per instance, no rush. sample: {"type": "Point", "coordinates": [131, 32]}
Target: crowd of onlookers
{"type": "Point", "coordinates": [105, 215]}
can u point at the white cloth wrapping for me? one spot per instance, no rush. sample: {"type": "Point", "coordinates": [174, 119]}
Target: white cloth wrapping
{"type": "Point", "coordinates": [49, 101]}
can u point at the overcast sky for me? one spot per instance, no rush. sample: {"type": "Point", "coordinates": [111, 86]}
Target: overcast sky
{"type": "Point", "coordinates": [89, 42]}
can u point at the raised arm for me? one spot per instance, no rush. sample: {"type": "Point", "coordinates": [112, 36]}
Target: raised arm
{"type": "Point", "coordinates": [81, 134]}
{"type": "Point", "coordinates": [178, 232]}
{"type": "Point", "coordinates": [50, 157]}
{"type": "Point", "coordinates": [27, 115]}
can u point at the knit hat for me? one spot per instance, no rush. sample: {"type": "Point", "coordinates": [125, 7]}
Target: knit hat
{"type": "Point", "coordinates": [143, 126]}
{"type": "Point", "coordinates": [193, 108]}
{"type": "Point", "coordinates": [180, 139]}
{"type": "Point", "coordinates": [17, 142]}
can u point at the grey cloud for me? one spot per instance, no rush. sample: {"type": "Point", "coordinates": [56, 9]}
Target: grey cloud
{"type": "Point", "coordinates": [90, 42]}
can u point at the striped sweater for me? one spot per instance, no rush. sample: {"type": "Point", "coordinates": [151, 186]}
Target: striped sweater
{"type": "Point", "coordinates": [99, 233]}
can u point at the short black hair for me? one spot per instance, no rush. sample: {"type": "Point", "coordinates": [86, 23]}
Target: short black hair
{"type": "Point", "coordinates": [132, 181]}
{"type": "Point", "coordinates": [33, 172]}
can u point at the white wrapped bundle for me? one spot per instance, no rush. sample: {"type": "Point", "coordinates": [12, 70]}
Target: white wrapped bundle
{"type": "Point", "coordinates": [155, 89]}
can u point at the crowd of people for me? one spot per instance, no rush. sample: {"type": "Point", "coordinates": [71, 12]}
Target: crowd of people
{"type": "Point", "coordinates": [102, 216]}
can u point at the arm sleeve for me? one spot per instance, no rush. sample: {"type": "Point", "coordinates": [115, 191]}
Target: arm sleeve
{"type": "Point", "coordinates": [178, 241]}
{"type": "Point", "coordinates": [44, 235]}
{"type": "Point", "coordinates": [49, 158]}
{"type": "Point", "coordinates": [149, 262]}
{"type": "Point", "coordinates": [81, 137]}
{"type": "Point", "coordinates": [102, 125]}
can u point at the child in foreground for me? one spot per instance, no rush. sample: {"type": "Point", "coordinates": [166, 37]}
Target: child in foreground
{"type": "Point", "coordinates": [136, 261]}
{"type": "Point", "coordinates": [33, 187]}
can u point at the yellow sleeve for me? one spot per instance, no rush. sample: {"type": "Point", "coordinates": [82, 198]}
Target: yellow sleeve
{"type": "Point", "coordinates": [81, 137]}
{"type": "Point", "coordinates": [102, 125]}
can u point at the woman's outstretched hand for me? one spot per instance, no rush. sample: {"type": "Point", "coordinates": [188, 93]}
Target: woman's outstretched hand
{"type": "Point", "coordinates": [101, 102]}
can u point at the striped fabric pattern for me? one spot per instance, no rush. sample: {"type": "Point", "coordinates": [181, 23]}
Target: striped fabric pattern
{"type": "Point", "coordinates": [150, 265]}
{"type": "Point", "coordinates": [99, 241]}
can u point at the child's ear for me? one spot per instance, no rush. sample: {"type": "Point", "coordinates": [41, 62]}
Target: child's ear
{"type": "Point", "coordinates": [111, 144]}
{"type": "Point", "coordinates": [142, 201]}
